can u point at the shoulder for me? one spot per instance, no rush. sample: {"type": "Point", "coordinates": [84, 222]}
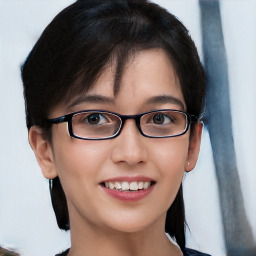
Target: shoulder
{"type": "Point", "coordinates": [191, 252]}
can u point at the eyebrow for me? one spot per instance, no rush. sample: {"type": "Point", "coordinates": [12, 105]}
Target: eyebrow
{"type": "Point", "coordinates": [162, 99]}
{"type": "Point", "coordinates": [99, 99]}
{"type": "Point", "coordinates": [91, 99]}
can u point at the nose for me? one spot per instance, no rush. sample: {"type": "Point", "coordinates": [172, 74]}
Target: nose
{"type": "Point", "coordinates": [129, 146]}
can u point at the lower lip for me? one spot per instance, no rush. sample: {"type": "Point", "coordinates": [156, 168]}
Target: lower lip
{"type": "Point", "coordinates": [131, 196]}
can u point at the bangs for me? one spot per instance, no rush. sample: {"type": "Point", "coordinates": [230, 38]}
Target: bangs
{"type": "Point", "coordinates": [115, 50]}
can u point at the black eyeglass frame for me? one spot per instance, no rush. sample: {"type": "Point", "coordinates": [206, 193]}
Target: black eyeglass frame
{"type": "Point", "coordinates": [123, 118]}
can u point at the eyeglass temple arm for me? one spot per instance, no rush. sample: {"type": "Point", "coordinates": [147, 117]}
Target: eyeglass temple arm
{"type": "Point", "coordinates": [194, 118]}
{"type": "Point", "coordinates": [60, 119]}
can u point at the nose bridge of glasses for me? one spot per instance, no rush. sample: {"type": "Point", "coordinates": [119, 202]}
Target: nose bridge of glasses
{"type": "Point", "coordinates": [135, 117]}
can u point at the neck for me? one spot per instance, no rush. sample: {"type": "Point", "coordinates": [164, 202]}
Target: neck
{"type": "Point", "coordinates": [90, 239]}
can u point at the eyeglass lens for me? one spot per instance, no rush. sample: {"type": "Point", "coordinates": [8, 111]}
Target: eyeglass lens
{"type": "Point", "coordinates": [163, 123]}
{"type": "Point", "coordinates": [95, 124]}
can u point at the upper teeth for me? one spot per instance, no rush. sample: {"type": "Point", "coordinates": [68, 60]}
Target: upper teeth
{"type": "Point", "coordinates": [124, 185]}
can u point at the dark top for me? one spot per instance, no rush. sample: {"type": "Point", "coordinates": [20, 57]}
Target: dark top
{"type": "Point", "coordinates": [186, 252]}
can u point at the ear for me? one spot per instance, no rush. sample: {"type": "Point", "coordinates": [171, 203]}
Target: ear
{"type": "Point", "coordinates": [43, 151]}
{"type": "Point", "coordinates": [194, 147]}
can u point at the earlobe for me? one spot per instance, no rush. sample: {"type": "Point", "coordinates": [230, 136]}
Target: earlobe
{"type": "Point", "coordinates": [194, 147]}
{"type": "Point", "coordinates": [43, 152]}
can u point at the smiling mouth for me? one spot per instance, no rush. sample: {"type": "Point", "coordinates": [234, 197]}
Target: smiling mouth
{"type": "Point", "coordinates": [128, 186]}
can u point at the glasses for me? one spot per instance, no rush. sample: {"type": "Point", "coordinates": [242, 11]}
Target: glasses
{"type": "Point", "coordinates": [101, 125]}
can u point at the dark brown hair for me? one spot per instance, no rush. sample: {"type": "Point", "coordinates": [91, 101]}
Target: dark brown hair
{"type": "Point", "coordinates": [80, 42]}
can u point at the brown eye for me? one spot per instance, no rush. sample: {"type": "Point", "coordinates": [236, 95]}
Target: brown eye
{"type": "Point", "coordinates": [94, 118]}
{"type": "Point", "coordinates": [159, 118]}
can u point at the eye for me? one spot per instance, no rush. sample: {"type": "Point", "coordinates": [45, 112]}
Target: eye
{"type": "Point", "coordinates": [96, 118]}
{"type": "Point", "coordinates": [161, 118]}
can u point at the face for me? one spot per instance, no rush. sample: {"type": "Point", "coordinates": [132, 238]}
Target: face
{"type": "Point", "coordinates": [86, 167]}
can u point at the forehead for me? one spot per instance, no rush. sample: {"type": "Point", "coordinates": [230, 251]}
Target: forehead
{"type": "Point", "coordinates": [147, 74]}
{"type": "Point", "coordinates": [140, 67]}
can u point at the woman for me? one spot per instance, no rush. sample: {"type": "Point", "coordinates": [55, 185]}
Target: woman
{"type": "Point", "coordinates": [114, 92]}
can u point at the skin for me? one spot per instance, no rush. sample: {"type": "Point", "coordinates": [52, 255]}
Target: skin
{"type": "Point", "coordinates": [121, 228]}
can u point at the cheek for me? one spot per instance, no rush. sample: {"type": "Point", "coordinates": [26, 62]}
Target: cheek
{"type": "Point", "coordinates": [171, 155]}
{"type": "Point", "coordinates": [78, 162]}
{"type": "Point", "coordinates": [78, 157]}
{"type": "Point", "coordinates": [170, 162]}
{"type": "Point", "coordinates": [79, 167]}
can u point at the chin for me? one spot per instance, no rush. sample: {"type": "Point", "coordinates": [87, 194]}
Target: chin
{"type": "Point", "coordinates": [133, 224]}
